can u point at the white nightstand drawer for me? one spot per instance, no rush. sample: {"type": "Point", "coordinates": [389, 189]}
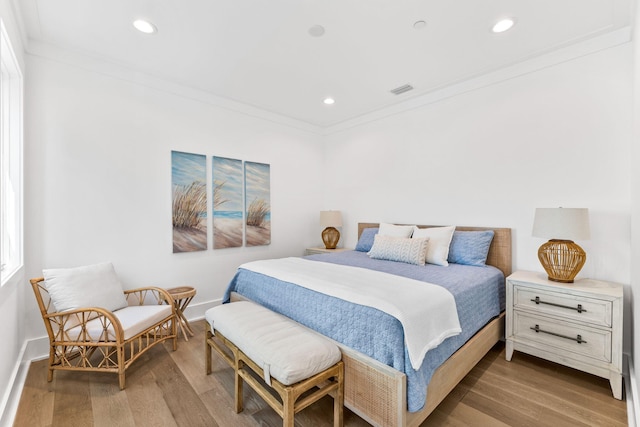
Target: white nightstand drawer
{"type": "Point", "coordinates": [563, 336]}
{"type": "Point", "coordinates": [571, 307]}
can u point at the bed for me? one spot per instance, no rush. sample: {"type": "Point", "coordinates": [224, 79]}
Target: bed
{"type": "Point", "coordinates": [387, 391]}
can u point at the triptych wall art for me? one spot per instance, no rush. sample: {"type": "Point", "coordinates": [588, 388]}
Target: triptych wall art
{"type": "Point", "coordinates": [241, 203]}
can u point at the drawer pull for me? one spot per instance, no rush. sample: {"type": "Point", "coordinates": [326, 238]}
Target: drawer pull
{"type": "Point", "coordinates": [577, 339]}
{"type": "Point", "coordinates": [579, 308]}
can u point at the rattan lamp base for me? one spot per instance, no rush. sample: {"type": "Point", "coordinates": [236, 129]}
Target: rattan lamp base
{"type": "Point", "coordinates": [330, 237]}
{"type": "Point", "coordinates": [561, 259]}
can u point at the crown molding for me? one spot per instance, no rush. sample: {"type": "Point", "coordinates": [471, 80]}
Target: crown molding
{"type": "Point", "coordinates": [488, 78]}
{"type": "Point", "coordinates": [471, 83]}
{"type": "Point", "coordinates": [118, 71]}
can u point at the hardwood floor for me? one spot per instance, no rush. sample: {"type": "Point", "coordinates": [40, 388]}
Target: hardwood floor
{"type": "Point", "coordinates": [166, 388]}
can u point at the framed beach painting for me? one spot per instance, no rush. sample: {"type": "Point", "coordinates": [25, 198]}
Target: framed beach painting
{"type": "Point", "coordinates": [257, 204]}
{"type": "Point", "coordinates": [227, 203]}
{"type": "Point", "coordinates": [189, 197]}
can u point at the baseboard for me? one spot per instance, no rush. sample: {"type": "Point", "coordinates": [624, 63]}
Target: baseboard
{"type": "Point", "coordinates": [32, 350]}
{"type": "Point", "coordinates": [13, 391]}
{"type": "Point", "coordinates": [631, 388]}
{"type": "Point", "coordinates": [197, 311]}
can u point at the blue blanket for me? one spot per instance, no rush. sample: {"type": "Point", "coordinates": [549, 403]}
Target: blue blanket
{"type": "Point", "coordinates": [479, 293]}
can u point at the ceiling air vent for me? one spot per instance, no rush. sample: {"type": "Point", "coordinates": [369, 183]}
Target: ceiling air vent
{"type": "Point", "coordinates": [402, 89]}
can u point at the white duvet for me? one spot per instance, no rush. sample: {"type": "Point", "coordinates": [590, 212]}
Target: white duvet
{"type": "Point", "coordinates": [426, 311]}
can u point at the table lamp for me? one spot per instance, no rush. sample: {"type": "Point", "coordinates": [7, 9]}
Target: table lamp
{"type": "Point", "coordinates": [330, 235]}
{"type": "Point", "coordinates": [560, 257]}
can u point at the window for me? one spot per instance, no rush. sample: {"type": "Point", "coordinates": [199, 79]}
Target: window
{"type": "Point", "coordinates": [10, 160]}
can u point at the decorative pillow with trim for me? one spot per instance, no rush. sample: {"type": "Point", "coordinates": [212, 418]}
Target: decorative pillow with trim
{"type": "Point", "coordinates": [82, 287]}
{"type": "Point", "coordinates": [439, 241]}
{"type": "Point", "coordinates": [401, 249]}
{"type": "Point", "coordinates": [470, 247]}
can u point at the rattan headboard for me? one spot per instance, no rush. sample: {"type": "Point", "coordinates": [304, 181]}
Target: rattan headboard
{"type": "Point", "coordinates": [499, 251]}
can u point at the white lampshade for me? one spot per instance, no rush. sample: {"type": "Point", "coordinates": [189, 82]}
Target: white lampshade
{"type": "Point", "coordinates": [330, 219]}
{"type": "Point", "coordinates": [562, 223]}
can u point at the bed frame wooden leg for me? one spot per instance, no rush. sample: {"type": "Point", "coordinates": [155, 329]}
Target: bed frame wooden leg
{"type": "Point", "coordinates": [338, 400]}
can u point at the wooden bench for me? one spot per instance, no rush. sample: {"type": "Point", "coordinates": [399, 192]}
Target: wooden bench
{"type": "Point", "coordinates": [288, 357]}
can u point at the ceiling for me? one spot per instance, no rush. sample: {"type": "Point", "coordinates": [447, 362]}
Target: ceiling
{"type": "Point", "coordinates": [261, 53]}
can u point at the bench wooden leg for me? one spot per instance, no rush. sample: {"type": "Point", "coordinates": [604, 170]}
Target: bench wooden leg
{"type": "Point", "coordinates": [207, 349]}
{"type": "Point", "coordinates": [289, 406]}
{"type": "Point", "coordinates": [238, 386]}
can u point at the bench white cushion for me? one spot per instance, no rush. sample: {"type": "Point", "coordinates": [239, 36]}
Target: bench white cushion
{"type": "Point", "coordinates": [286, 350]}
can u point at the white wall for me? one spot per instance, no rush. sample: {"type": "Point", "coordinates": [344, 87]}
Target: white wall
{"type": "Point", "coordinates": [559, 136]}
{"type": "Point", "coordinates": [99, 179]}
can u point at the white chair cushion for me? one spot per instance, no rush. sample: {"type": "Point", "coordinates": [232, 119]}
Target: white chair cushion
{"type": "Point", "coordinates": [286, 350]}
{"type": "Point", "coordinates": [82, 287]}
{"type": "Point", "coordinates": [134, 319]}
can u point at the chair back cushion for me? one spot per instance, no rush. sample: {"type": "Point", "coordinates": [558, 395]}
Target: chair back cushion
{"type": "Point", "coordinates": [81, 287]}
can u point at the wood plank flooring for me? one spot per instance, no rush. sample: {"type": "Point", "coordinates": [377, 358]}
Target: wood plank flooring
{"type": "Point", "coordinates": [167, 388]}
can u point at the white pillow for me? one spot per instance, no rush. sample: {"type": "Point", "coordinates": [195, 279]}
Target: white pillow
{"type": "Point", "coordinates": [439, 241]}
{"type": "Point", "coordinates": [90, 286]}
{"type": "Point", "coordinates": [401, 249]}
{"type": "Point", "coordinates": [395, 230]}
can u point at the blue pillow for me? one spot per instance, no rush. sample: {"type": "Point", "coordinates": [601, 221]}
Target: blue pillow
{"type": "Point", "coordinates": [470, 247]}
{"type": "Point", "coordinates": [365, 242]}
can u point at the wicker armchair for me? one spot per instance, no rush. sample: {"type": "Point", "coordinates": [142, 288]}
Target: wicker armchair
{"type": "Point", "coordinates": [95, 339]}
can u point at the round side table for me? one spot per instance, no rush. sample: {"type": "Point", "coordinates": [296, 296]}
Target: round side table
{"type": "Point", "coordinates": [182, 296]}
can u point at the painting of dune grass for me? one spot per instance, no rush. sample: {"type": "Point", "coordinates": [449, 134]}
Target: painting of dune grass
{"type": "Point", "coordinates": [227, 203]}
{"type": "Point", "coordinates": [189, 201]}
{"type": "Point", "coordinates": [257, 203]}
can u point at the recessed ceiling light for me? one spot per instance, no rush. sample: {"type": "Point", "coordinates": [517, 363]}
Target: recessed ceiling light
{"type": "Point", "coordinates": [316, 31]}
{"type": "Point", "coordinates": [144, 26]}
{"type": "Point", "coordinates": [418, 25]}
{"type": "Point", "coordinates": [329, 101]}
{"type": "Point", "coordinates": [503, 25]}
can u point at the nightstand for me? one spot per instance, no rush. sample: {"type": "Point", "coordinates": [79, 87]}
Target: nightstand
{"type": "Point", "coordinates": [575, 324]}
{"type": "Point", "coordinates": [323, 250]}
